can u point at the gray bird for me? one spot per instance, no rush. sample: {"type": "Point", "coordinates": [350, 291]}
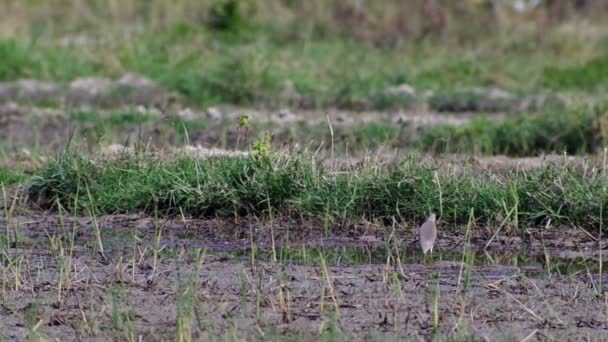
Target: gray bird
{"type": "Point", "coordinates": [428, 234]}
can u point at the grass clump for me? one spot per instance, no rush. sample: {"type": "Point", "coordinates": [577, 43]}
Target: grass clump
{"type": "Point", "coordinates": [298, 186]}
{"type": "Point", "coordinates": [226, 15]}
{"type": "Point", "coordinates": [111, 119]}
{"type": "Point", "coordinates": [473, 100]}
{"type": "Point", "coordinates": [30, 60]}
{"type": "Point", "coordinates": [561, 131]}
{"type": "Point", "coordinates": [375, 134]}
{"type": "Point", "coordinates": [10, 177]}
{"type": "Point", "coordinates": [586, 76]}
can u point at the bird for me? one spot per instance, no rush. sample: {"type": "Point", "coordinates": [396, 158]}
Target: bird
{"type": "Point", "coordinates": [428, 234]}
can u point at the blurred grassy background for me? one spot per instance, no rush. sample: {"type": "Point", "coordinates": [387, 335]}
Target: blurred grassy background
{"type": "Point", "coordinates": [339, 53]}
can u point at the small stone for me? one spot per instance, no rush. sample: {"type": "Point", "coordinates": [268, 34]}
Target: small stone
{"type": "Point", "coordinates": [91, 85]}
{"type": "Point", "coordinates": [202, 152]}
{"type": "Point", "coordinates": [370, 239]}
{"type": "Point", "coordinates": [136, 81]}
{"type": "Point", "coordinates": [542, 101]}
{"type": "Point", "coordinates": [36, 89]}
{"type": "Point", "coordinates": [403, 89]}
{"type": "Point", "coordinates": [284, 115]}
{"type": "Point", "coordinates": [25, 153]}
{"type": "Point", "coordinates": [214, 113]}
{"type": "Point", "coordinates": [343, 119]}
{"type": "Point", "coordinates": [499, 94]}
{"type": "Point", "coordinates": [8, 91]}
{"type": "Point", "coordinates": [289, 92]}
{"type": "Point", "coordinates": [186, 114]}
{"type": "Point", "coordinates": [115, 151]}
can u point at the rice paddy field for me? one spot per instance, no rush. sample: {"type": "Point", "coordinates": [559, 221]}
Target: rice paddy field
{"type": "Point", "coordinates": [227, 170]}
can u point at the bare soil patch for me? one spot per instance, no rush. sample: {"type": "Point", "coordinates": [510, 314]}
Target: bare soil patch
{"type": "Point", "coordinates": [50, 129]}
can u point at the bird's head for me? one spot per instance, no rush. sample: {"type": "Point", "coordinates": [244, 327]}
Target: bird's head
{"type": "Point", "coordinates": [432, 217]}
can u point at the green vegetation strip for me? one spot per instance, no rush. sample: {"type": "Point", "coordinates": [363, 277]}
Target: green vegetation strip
{"type": "Point", "coordinates": [300, 187]}
{"type": "Point", "coordinates": [575, 132]}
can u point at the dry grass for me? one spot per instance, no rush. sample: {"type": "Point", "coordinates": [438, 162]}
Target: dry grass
{"type": "Point", "coordinates": [380, 22]}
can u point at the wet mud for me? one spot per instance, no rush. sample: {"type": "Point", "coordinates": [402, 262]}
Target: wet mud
{"type": "Point", "coordinates": [255, 279]}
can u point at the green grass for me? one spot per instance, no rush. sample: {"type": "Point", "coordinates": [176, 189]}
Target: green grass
{"type": "Point", "coordinates": [374, 134]}
{"type": "Point", "coordinates": [574, 132]}
{"type": "Point", "coordinates": [587, 76]}
{"type": "Point", "coordinates": [31, 60]}
{"type": "Point", "coordinates": [297, 186]}
{"type": "Point", "coordinates": [10, 177]}
{"type": "Point", "coordinates": [324, 73]}
{"type": "Point", "coordinates": [112, 119]}
{"type": "Point", "coordinates": [468, 100]}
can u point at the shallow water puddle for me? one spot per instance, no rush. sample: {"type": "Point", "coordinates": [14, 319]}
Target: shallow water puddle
{"type": "Point", "coordinates": [345, 252]}
{"type": "Point", "coordinates": [123, 236]}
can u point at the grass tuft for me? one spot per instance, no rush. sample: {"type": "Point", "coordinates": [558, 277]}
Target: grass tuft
{"type": "Point", "coordinates": [10, 177]}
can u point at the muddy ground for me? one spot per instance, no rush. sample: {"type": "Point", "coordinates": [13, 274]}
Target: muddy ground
{"type": "Point", "coordinates": [58, 283]}
{"type": "Point", "coordinates": [48, 130]}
